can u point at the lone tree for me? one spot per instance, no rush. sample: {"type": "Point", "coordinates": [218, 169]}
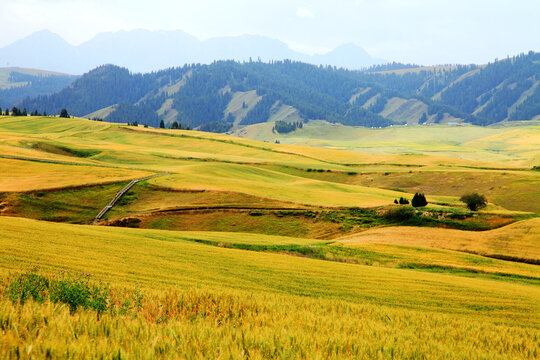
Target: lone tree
{"type": "Point", "coordinates": [474, 201]}
{"type": "Point", "coordinates": [162, 124]}
{"type": "Point", "coordinates": [419, 199]}
{"type": "Point", "coordinates": [64, 113]}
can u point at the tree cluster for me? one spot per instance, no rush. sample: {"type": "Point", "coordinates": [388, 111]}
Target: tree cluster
{"type": "Point", "coordinates": [283, 127]}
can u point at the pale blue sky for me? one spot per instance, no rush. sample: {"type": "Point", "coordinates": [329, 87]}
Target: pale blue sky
{"type": "Point", "coordinates": [419, 31]}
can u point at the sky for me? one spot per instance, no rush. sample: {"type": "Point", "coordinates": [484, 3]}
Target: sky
{"type": "Point", "coordinates": [412, 31]}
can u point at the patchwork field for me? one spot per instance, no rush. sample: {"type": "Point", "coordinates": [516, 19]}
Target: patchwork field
{"type": "Point", "coordinates": [246, 249]}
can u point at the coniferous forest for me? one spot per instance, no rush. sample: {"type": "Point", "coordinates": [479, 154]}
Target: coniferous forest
{"type": "Point", "coordinates": [198, 95]}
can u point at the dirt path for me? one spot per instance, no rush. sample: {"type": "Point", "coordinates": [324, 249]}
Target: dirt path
{"type": "Point", "coordinates": [122, 192]}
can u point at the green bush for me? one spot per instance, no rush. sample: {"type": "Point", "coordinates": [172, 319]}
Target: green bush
{"type": "Point", "coordinates": [29, 286]}
{"type": "Point", "coordinates": [64, 288]}
{"type": "Point", "coordinates": [474, 201]}
{"type": "Point", "coordinates": [80, 291]}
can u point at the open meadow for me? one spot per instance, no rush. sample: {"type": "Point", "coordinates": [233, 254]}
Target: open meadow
{"type": "Point", "coordinates": [239, 248]}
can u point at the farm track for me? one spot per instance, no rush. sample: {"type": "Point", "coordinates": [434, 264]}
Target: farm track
{"type": "Point", "coordinates": [122, 192]}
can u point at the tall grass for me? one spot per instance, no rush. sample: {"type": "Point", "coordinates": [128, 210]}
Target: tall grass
{"type": "Point", "coordinates": [223, 324]}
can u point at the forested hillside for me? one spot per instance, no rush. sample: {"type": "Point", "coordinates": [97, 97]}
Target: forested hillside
{"type": "Point", "coordinates": [17, 84]}
{"type": "Point", "coordinates": [228, 94]}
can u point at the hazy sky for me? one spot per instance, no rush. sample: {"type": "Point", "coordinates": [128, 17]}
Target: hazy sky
{"type": "Point", "coordinates": [419, 31]}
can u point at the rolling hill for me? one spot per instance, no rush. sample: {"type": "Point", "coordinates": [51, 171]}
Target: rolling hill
{"type": "Point", "coordinates": [239, 247]}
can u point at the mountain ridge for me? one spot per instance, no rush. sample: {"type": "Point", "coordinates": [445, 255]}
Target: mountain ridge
{"type": "Point", "coordinates": [145, 51]}
{"type": "Point", "coordinates": [226, 95]}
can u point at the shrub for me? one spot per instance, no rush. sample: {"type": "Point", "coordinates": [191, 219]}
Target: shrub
{"type": "Point", "coordinates": [80, 291]}
{"type": "Point", "coordinates": [401, 213]}
{"type": "Point", "coordinates": [474, 201]}
{"type": "Point", "coordinates": [76, 292]}
{"type": "Point", "coordinates": [28, 286]}
{"type": "Point", "coordinates": [419, 199]}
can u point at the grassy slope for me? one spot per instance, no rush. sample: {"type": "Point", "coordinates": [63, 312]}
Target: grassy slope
{"type": "Point", "coordinates": [507, 146]}
{"type": "Point", "coordinates": [28, 175]}
{"type": "Point", "coordinates": [274, 185]}
{"type": "Point", "coordinates": [261, 303]}
{"type": "Point", "coordinates": [162, 259]}
{"type": "Point", "coordinates": [284, 305]}
{"type": "Point", "coordinates": [519, 240]}
{"type": "Point", "coordinates": [5, 73]}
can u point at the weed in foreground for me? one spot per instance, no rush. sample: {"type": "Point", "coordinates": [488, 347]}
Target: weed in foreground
{"type": "Point", "coordinates": [75, 291]}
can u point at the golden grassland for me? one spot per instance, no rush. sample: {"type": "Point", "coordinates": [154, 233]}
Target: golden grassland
{"type": "Point", "coordinates": [519, 240]}
{"type": "Point", "coordinates": [207, 301]}
{"type": "Point", "coordinates": [19, 175]}
{"type": "Point", "coordinates": [272, 184]}
{"type": "Point", "coordinates": [393, 292]}
{"type": "Point", "coordinates": [162, 259]}
{"type": "Point", "coordinates": [418, 257]}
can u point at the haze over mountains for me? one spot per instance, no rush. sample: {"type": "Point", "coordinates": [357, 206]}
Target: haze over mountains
{"type": "Point", "coordinates": [145, 51]}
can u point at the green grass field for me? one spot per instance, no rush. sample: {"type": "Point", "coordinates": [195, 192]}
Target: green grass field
{"type": "Point", "coordinates": [250, 249]}
{"type": "Point", "coordinates": [509, 146]}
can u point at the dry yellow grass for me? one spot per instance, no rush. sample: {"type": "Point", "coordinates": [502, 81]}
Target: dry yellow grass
{"type": "Point", "coordinates": [520, 240]}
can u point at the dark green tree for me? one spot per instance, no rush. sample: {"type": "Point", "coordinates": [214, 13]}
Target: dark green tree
{"type": "Point", "coordinates": [162, 124]}
{"type": "Point", "coordinates": [474, 201]}
{"type": "Point", "coordinates": [419, 199]}
{"type": "Point", "coordinates": [403, 201]}
{"type": "Point", "coordinates": [423, 119]}
{"type": "Point", "coordinates": [64, 113]}
{"type": "Point", "coordinates": [24, 113]}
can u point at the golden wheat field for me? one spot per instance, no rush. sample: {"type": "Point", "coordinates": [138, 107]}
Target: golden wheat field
{"type": "Point", "coordinates": [240, 248]}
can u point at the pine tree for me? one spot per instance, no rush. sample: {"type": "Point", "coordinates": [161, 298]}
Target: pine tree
{"type": "Point", "coordinates": [419, 199]}
{"type": "Point", "coordinates": [162, 124]}
{"type": "Point", "coordinates": [64, 113]}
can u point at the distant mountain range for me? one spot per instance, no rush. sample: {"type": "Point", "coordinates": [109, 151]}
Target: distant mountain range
{"type": "Point", "coordinates": [145, 51]}
{"type": "Point", "coordinates": [228, 95]}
